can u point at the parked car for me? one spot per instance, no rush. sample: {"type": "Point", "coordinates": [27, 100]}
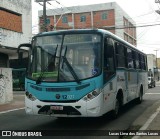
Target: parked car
{"type": "Point", "coordinates": [151, 82]}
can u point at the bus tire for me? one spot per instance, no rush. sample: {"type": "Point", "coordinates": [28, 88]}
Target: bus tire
{"type": "Point", "coordinates": [140, 98]}
{"type": "Point", "coordinates": [115, 112]}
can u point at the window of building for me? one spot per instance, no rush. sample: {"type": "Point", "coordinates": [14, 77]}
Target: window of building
{"type": "Point", "coordinates": [48, 21]}
{"type": "Point", "coordinates": [125, 21]}
{"type": "Point", "coordinates": [125, 37]}
{"type": "Point", "coordinates": [64, 19]}
{"type": "Point", "coordinates": [10, 20]}
{"type": "Point", "coordinates": [130, 26]}
{"type": "Point", "coordinates": [104, 16]}
{"type": "Point", "coordinates": [83, 18]}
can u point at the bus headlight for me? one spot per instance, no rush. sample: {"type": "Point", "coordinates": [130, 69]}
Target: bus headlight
{"type": "Point", "coordinates": [91, 95]}
{"type": "Point", "coordinates": [30, 96]}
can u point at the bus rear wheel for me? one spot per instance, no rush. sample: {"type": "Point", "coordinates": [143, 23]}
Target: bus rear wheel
{"type": "Point", "coordinates": [140, 98]}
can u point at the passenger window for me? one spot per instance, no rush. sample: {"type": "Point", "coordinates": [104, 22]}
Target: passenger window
{"type": "Point", "coordinates": [130, 58]}
{"type": "Point", "coordinates": [137, 60]}
{"type": "Point", "coordinates": [120, 55]}
{"type": "Point", "coordinates": [142, 62]}
{"type": "Point", "coordinates": [109, 62]}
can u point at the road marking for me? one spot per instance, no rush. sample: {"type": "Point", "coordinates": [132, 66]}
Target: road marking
{"type": "Point", "coordinates": [148, 122]}
{"type": "Point", "coordinates": [153, 93]}
{"type": "Point", "coordinates": [11, 110]}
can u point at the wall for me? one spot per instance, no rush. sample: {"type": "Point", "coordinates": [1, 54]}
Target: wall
{"type": "Point", "coordinates": [6, 93]}
{"type": "Point", "coordinates": [115, 17]}
{"type": "Point", "coordinates": [11, 35]}
{"type": "Point", "coordinates": [158, 63]}
{"type": "Point", "coordinates": [128, 34]}
{"type": "Point", "coordinates": [97, 20]}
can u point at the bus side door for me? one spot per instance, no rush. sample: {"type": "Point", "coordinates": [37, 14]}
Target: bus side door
{"type": "Point", "coordinates": [109, 71]}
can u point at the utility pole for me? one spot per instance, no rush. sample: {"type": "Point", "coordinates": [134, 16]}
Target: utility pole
{"type": "Point", "coordinates": [44, 14]}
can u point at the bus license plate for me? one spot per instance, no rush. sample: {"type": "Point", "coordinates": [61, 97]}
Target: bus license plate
{"type": "Point", "coordinates": [56, 107]}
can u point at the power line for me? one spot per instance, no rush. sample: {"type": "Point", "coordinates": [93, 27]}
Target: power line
{"type": "Point", "coordinates": [131, 26]}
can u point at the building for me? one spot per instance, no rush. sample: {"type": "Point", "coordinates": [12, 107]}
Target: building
{"type": "Point", "coordinates": [158, 63]}
{"type": "Point", "coordinates": [158, 66]}
{"type": "Point", "coordinates": [108, 16]}
{"type": "Point", "coordinates": [15, 28]}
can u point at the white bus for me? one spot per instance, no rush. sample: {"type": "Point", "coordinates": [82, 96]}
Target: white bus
{"type": "Point", "coordinates": [83, 73]}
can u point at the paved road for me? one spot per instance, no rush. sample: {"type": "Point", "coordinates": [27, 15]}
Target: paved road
{"type": "Point", "coordinates": [18, 120]}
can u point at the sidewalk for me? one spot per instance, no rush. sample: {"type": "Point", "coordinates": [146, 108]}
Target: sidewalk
{"type": "Point", "coordinates": [158, 83]}
{"type": "Point", "coordinates": [149, 120]}
{"type": "Point", "coordinates": [18, 102]}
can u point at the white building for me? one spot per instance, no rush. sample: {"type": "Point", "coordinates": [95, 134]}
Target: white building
{"type": "Point", "coordinates": [15, 25]}
{"type": "Point", "coordinates": [15, 28]}
{"type": "Point", "coordinates": [151, 61]}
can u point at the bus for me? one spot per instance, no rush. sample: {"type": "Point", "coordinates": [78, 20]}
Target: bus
{"type": "Point", "coordinates": [82, 73]}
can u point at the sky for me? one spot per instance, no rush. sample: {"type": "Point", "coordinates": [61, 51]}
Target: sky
{"type": "Point", "coordinates": [141, 11]}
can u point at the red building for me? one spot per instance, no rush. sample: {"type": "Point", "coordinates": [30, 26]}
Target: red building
{"type": "Point", "coordinates": [108, 16]}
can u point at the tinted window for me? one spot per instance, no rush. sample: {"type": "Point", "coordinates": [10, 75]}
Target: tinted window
{"type": "Point", "coordinates": [64, 19]}
{"type": "Point", "coordinates": [83, 18]}
{"type": "Point", "coordinates": [109, 64]}
{"type": "Point", "coordinates": [130, 58]}
{"type": "Point", "coordinates": [137, 60]}
{"type": "Point", "coordinates": [120, 55]}
{"type": "Point", "coordinates": [142, 62]}
{"type": "Point", "coordinates": [104, 16]}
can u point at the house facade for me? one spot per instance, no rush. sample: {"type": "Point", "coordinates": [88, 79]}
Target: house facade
{"type": "Point", "coordinates": [109, 16]}
{"type": "Point", "coordinates": [15, 28]}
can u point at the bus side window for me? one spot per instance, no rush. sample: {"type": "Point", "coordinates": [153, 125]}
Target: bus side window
{"type": "Point", "coordinates": [109, 62]}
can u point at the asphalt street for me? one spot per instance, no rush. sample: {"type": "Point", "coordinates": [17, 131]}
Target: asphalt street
{"type": "Point", "coordinates": [18, 120]}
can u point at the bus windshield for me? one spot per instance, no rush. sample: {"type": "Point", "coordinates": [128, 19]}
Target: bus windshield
{"type": "Point", "coordinates": [69, 57]}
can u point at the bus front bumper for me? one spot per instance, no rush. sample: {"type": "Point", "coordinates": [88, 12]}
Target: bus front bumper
{"type": "Point", "coordinates": [81, 108]}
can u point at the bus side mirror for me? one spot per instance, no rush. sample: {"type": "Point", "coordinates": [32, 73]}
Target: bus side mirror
{"type": "Point", "coordinates": [20, 52]}
{"type": "Point", "coordinates": [28, 45]}
{"type": "Point", "coordinates": [20, 56]}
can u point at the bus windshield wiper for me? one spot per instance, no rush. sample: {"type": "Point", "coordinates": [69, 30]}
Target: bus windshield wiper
{"type": "Point", "coordinates": [38, 81]}
{"type": "Point", "coordinates": [70, 68]}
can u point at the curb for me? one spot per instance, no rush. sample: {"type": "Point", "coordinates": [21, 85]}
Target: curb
{"type": "Point", "coordinates": [147, 117]}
